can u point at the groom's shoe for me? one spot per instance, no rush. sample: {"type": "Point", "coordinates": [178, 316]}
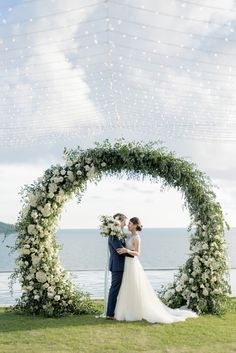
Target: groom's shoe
{"type": "Point", "coordinates": [110, 318]}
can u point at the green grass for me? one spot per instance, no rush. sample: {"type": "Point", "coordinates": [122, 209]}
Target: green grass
{"type": "Point", "coordinates": [86, 334]}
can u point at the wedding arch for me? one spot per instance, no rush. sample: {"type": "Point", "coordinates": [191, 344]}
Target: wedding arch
{"type": "Point", "coordinates": [201, 283]}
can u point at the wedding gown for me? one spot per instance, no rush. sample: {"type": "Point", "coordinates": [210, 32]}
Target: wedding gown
{"type": "Point", "coordinates": [137, 299]}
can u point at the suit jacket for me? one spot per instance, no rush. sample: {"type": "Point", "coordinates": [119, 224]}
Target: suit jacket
{"type": "Point", "coordinates": [116, 262]}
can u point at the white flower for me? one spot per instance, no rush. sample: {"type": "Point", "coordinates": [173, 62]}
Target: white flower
{"type": "Point", "coordinates": [59, 198]}
{"type": "Point", "coordinates": [205, 246]}
{"type": "Point", "coordinates": [79, 172]}
{"type": "Point", "coordinates": [25, 251]}
{"type": "Point", "coordinates": [184, 277]}
{"type": "Point", "coordinates": [205, 292]}
{"type": "Point", "coordinates": [36, 297]}
{"type": "Point", "coordinates": [29, 288]}
{"type": "Point", "coordinates": [57, 298]}
{"type": "Point", "coordinates": [70, 175]}
{"type": "Point", "coordinates": [33, 200]}
{"type": "Point", "coordinates": [87, 167]}
{"type": "Point", "coordinates": [35, 259]}
{"type": "Point", "coordinates": [178, 288]}
{"type": "Point", "coordinates": [91, 173]}
{"type": "Point", "coordinates": [32, 229]}
{"type": "Point", "coordinates": [53, 187]}
{"type": "Point", "coordinates": [41, 276]}
{"type": "Point", "coordinates": [69, 163]}
{"type": "Point", "coordinates": [46, 210]}
{"type": "Point", "coordinates": [103, 164]}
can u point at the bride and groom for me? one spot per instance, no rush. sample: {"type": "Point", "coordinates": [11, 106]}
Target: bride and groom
{"type": "Point", "coordinates": [131, 296]}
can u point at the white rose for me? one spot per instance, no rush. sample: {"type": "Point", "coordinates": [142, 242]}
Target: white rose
{"type": "Point", "coordinates": [91, 173]}
{"type": "Point", "coordinates": [59, 198]}
{"type": "Point", "coordinates": [87, 168]}
{"type": "Point", "coordinates": [29, 288]}
{"type": "Point", "coordinates": [35, 259]}
{"type": "Point", "coordinates": [57, 298]}
{"type": "Point", "coordinates": [70, 175]}
{"type": "Point", "coordinates": [178, 288]}
{"type": "Point", "coordinates": [25, 251]}
{"type": "Point", "coordinates": [53, 188]}
{"type": "Point", "coordinates": [33, 200]}
{"type": "Point", "coordinates": [46, 210]}
{"type": "Point", "coordinates": [41, 277]}
{"type": "Point", "coordinates": [69, 163]}
{"type": "Point", "coordinates": [32, 229]}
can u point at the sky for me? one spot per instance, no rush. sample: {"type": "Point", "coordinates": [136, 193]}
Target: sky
{"type": "Point", "coordinates": [78, 72]}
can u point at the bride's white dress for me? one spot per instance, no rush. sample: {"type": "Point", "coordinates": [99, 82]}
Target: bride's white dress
{"type": "Point", "coordinates": [137, 299]}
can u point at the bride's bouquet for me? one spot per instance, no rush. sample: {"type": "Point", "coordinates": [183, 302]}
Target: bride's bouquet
{"type": "Point", "coordinates": [111, 226]}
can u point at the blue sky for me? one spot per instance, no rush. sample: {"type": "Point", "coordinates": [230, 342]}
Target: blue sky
{"type": "Point", "coordinates": [76, 72]}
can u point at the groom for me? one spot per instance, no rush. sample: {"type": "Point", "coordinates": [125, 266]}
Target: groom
{"type": "Point", "coordinates": [116, 266]}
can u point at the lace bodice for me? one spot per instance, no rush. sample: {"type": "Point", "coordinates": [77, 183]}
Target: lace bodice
{"type": "Point", "coordinates": [129, 241]}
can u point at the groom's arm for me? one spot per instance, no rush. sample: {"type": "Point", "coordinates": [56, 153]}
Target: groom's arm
{"type": "Point", "coordinates": [116, 243]}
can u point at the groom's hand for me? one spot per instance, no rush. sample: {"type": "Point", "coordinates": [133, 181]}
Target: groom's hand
{"type": "Point", "coordinates": [121, 251]}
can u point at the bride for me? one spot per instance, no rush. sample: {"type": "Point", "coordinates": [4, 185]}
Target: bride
{"type": "Point", "coordinates": [137, 299]}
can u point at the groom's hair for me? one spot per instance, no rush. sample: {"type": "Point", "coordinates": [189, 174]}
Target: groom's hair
{"type": "Point", "coordinates": [120, 216]}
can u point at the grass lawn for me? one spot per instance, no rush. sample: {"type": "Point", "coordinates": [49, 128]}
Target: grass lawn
{"type": "Point", "coordinates": [86, 334]}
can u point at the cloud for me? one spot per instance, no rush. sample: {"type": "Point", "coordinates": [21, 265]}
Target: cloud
{"type": "Point", "coordinates": [44, 94]}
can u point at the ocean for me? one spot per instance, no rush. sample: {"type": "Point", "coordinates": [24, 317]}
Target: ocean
{"type": "Point", "coordinates": [83, 253]}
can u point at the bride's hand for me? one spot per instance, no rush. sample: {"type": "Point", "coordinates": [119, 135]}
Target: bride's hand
{"type": "Point", "coordinates": [121, 251]}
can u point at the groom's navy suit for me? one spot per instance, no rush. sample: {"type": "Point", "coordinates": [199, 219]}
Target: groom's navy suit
{"type": "Point", "coordinates": [116, 266]}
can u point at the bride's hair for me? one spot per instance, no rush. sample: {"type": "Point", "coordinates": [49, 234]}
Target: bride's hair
{"type": "Point", "coordinates": [136, 221]}
{"type": "Point", "coordinates": [120, 216]}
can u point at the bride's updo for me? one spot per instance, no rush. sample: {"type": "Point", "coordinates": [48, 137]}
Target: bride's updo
{"type": "Point", "coordinates": [136, 221]}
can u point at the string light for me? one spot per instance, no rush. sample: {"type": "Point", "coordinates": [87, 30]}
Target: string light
{"type": "Point", "coordinates": [117, 68]}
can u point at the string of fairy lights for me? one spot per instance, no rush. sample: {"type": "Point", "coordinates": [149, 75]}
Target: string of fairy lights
{"type": "Point", "coordinates": [100, 67]}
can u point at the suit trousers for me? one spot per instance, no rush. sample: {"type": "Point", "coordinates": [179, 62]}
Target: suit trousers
{"type": "Point", "coordinates": [116, 279]}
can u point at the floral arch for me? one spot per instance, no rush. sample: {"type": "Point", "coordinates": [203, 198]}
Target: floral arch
{"type": "Point", "coordinates": [201, 283]}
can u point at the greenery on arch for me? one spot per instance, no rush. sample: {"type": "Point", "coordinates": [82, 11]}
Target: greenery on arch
{"type": "Point", "coordinates": [201, 283]}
